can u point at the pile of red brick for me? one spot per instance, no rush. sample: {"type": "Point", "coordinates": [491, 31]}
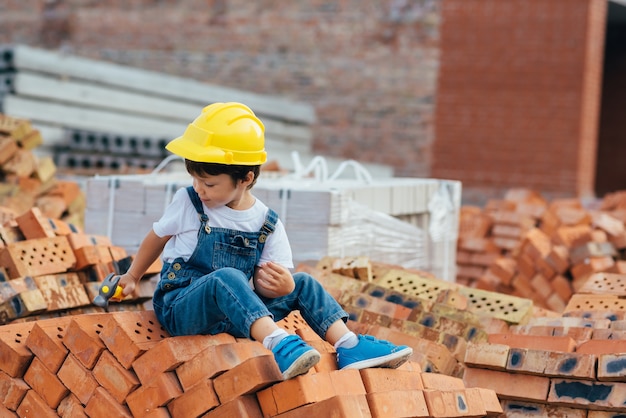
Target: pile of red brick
{"type": "Point", "coordinates": [29, 181]}
{"type": "Point", "coordinates": [524, 245]}
{"type": "Point", "coordinates": [123, 364]}
{"type": "Point", "coordinates": [50, 268]}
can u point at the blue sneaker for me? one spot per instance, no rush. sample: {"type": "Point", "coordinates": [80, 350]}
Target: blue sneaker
{"type": "Point", "coordinates": [372, 352]}
{"type": "Point", "coordinates": [294, 357]}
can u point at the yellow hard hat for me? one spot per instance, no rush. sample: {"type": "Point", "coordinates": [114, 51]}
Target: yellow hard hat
{"type": "Point", "coordinates": [225, 133]}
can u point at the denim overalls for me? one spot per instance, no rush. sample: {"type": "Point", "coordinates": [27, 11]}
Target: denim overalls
{"type": "Point", "coordinates": [210, 293]}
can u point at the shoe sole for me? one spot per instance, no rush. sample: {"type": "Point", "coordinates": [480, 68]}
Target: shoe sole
{"type": "Point", "coordinates": [390, 361]}
{"type": "Point", "coordinates": [302, 364]}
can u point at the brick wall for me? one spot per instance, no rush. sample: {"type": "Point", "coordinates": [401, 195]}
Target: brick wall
{"type": "Point", "coordinates": [368, 67]}
{"type": "Point", "coordinates": [518, 94]}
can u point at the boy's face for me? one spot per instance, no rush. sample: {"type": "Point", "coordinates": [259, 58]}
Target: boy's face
{"type": "Point", "coordinates": [215, 191]}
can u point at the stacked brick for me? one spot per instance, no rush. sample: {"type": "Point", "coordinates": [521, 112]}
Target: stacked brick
{"type": "Point", "coordinates": [524, 245]}
{"type": "Point", "coordinates": [27, 180]}
{"type": "Point", "coordinates": [124, 364]}
{"type": "Point", "coordinates": [48, 267]}
{"type": "Point", "coordinates": [569, 365]}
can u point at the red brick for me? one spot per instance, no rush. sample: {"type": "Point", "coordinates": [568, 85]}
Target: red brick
{"type": "Point", "coordinates": [33, 406]}
{"type": "Point", "coordinates": [46, 341]}
{"type": "Point", "coordinates": [398, 403]}
{"type": "Point", "coordinates": [82, 338]}
{"type": "Point", "coordinates": [195, 401]}
{"type": "Point", "coordinates": [45, 383]}
{"type": "Point", "coordinates": [490, 400]}
{"type": "Point", "coordinates": [514, 409]}
{"type": "Point", "coordinates": [508, 385]}
{"type": "Point", "coordinates": [128, 335]}
{"type": "Point", "coordinates": [6, 412]}
{"type": "Point", "coordinates": [15, 356]}
{"type": "Point", "coordinates": [347, 382]}
{"type": "Point", "coordinates": [599, 347]}
{"type": "Point", "coordinates": [250, 376]}
{"type": "Point", "coordinates": [215, 360]}
{"type": "Point", "coordinates": [587, 394]}
{"type": "Point", "coordinates": [158, 392]}
{"type": "Point", "coordinates": [245, 406]}
{"type": "Point", "coordinates": [78, 379]}
{"type": "Point", "coordinates": [34, 225]}
{"type": "Point", "coordinates": [383, 379]}
{"type": "Point", "coordinates": [116, 379]}
{"type": "Point", "coordinates": [441, 382]}
{"type": "Point", "coordinates": [70, 407]}
{"type": "Point", "coordinates": [547, 343]}
{"type": "Point", "coordinates": [169, 353]}
{"type": "Point", "coordinates": [103, 405]}
{"type": "Point", "coordinates": [354, 406]}
{"type": "Point", "coordinates": [452, 403]}
{"type": "Point", "coordinates": [161, 412]}
{"type": "Point", "coordinates": [12, 390]}
{"type": "Point", "coordinates": [296, 392]}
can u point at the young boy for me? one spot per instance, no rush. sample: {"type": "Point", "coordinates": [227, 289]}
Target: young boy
{"type": "Point", "coordinates": [226, 256]}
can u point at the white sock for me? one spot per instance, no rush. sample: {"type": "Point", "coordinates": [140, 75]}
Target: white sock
{"type": "Point", "coordinates": [348, 340]}
{"type": "Point", "coordinates": [274, 338]}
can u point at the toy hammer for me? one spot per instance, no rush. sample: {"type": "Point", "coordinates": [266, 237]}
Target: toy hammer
{"type": "Point", "coordinates": [108, 289]}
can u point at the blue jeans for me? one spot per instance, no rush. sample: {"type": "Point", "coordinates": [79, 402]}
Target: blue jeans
{"type": "Point", "coordinates": [210, 293]}
{"type": "Point", "coordinates": [222, 301]}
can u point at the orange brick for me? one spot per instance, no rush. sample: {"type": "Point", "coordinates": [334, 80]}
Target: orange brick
{"type": "Point", "coordinates": [158, 392]}
{"type": "Point", "coordinates": [128, 335]}
{"type": "Point", "coordinates": [600, 347]}
{"type": "Point", "coordinates": [383, 379]}
{"type": "Point", "coordinates": [86, 256]}
{"type": "Point", "coordinates": [33, 406]}
{"type": "Point", "coordinates": [70, 407]}
{"type": "Point", "coordinates": [45, 383]}
{"type": "Point", "coordinates": [451, 403]}
{"type": "Point", "coordinates": [441, 382]}
{"type": "Point", "coordinates": [82, 338]}
{"type": "Point", "coordinates": [508, 385]}
{"type": "Point", "coordinates": [245, 406]}
{"type": "Point", "coordinates": [490, 400]}
{"type": "Point", "coordinates": [37, 257]}
{"type": "Point", "coordinates": [486, 355]}
{"type": "Point", "coordinates": [398, 403]}
{"type": "Point", "coordinates": [15, 356]}
{"type": "Point", "coordinates": [78, 379]}
{"type": "Point", "coordinates": [12, 391]}
{"type": "Point", "coordinates": [581, 393]}
{"type": "Point", "coordinates": [354, 406]}
{"type": "Point", "coordinates": [195, 401]}
{"type": "Point", "coordinates": [169, 353]}
{"type": "Point", "coordinates": [217, 359]}
{"type": "Point", "coordinates": [103, 405]}
{"type": "Point", "coordinates": [296, 392]}
{"type": "Point", "coordinates": [250, 376]}
{"type": "Point", "coordinates": [611, 367]}
{"type": "Point", "coordinates": [347, 382]}
{"type": "Point", "coordinates": [513, 409]}
{"type": "Point", "coordinates": [34, 225]}
{"type": "Point", "coordinates": [558, 259]}
{"type": "Point", "coordinates": [534, 342]}
{"type": "Point", "coordinates": [46, 341]}
{"type": "Point", "coordinates": [116, 379]}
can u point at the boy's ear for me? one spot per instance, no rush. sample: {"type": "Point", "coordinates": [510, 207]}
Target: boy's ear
{"type": "Point", "coordinates": [249, 178]}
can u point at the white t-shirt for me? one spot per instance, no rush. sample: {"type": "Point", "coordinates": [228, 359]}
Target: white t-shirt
{"type": "Point", "coordinates": [180, 220]}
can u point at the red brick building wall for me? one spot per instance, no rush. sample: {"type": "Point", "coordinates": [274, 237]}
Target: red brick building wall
{"type": "Point", "coordinates": [518, 95]}
{"type": "Point", "coordinates": [367, 66]}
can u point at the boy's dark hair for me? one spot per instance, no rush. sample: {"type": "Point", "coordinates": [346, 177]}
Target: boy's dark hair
{"type": "Point", "coordinates": [236, 172]}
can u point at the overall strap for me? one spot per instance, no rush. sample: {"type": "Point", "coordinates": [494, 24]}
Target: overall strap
{"type": "Point", "coordinates": [197, 204]}
{"type": "Point", "coordinates": [269, 225]}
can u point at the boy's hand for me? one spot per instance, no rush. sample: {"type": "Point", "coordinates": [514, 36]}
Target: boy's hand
{"type": "Point", "coordinates": [128, 283]}
{"type": "Point", "coordinates": [272, 280]}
